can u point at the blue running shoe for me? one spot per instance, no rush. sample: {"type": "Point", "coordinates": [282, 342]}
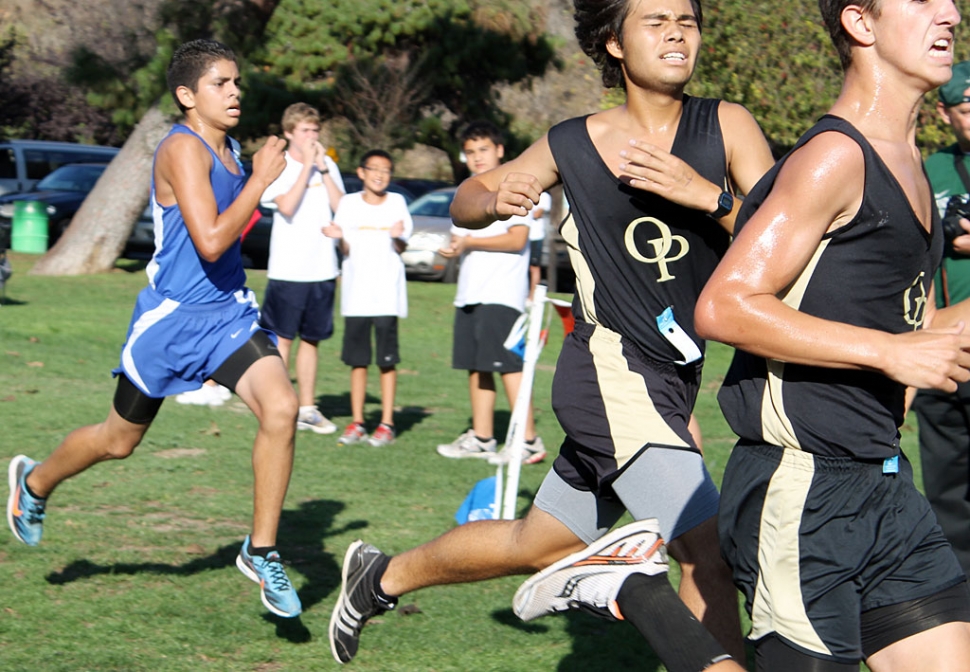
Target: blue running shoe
{"type": "Point", "coordinates": [275, 589]}
{"type": "Point", "coordinates": [25, 513]}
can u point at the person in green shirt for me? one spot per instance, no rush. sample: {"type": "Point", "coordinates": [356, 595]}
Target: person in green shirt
{"type": "Point", "coordinates": [944, 418]}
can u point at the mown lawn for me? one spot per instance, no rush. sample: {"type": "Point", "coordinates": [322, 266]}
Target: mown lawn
{"type": "Point", "coordinates": [136, 570]}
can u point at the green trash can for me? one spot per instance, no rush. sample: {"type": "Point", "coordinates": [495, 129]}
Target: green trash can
{"type": "Point", "coordinates": [29, 229]}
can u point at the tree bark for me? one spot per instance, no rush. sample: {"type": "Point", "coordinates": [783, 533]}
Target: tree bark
{"type": "Point", "coordinates": [97, 234]}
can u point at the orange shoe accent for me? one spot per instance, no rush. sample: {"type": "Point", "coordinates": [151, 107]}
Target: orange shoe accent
{"type": "Point", "coordinates": [16, 502]}
{"type": "Point", "coordinates": [632, 557]}
{"type": "Point", "coordinates": [615, 609]}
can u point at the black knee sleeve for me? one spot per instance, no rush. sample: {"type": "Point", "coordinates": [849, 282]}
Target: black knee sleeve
{"type": "Point", "coordinates": [134, 405]}
{"type": "Point", "coordinates": [887, 625]}
{"type": "Point", "coordinates": [231, 370]}
{"type": "Point", "coordinates": [773, 654]}
{"type": "Point", "coordinates": [677, 637]}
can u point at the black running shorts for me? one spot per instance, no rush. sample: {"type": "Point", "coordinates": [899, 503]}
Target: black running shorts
{"type": "Point", "coordinates": [479, 339]}
{"type": "Point", "coordinates": [815, 542]}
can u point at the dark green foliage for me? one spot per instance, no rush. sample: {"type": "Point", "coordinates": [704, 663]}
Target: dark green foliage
{"type": "Point", "coordinates": [776, 59]}
{"type": "Point", "coordinates": [452, 52]}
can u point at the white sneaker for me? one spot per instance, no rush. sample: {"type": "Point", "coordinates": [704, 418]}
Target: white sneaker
{"type": "Point", "coordinates": [468, 445]}
{"type": "Point", "coordinates": [312, 419]}
{"type": "Point", "coordinates": [224, 392]}
{"type": "Point", "coordinates": [207, 395]}
{"type": "Point", "coordinates": [530, 454]}
{"type": "Point", "coordinates": [590, 579]}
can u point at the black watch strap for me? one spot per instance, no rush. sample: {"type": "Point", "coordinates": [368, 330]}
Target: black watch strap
{"type": "Point", "coordinates": [725, 204]}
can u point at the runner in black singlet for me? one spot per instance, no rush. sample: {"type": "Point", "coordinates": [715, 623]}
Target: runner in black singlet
{"type": "Point", "coordinates": [827, 295]}
{"type": "Point", "coordinates": [650, 186]}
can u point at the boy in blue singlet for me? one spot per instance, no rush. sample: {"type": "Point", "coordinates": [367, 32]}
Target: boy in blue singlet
{"type": "Point", "coordinates": [196, 320]}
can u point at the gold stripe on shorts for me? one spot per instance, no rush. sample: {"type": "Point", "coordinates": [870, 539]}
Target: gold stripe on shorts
{"type": "Point", "coordinates": [632, 417]}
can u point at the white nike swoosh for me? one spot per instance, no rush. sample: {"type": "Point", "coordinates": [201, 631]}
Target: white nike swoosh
{"type": "Point", "coordinates": [236, 333]}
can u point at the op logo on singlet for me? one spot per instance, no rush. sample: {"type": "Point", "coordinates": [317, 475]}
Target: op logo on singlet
{"type": "Point", "coordinates": [914, 303]}
{"type": "Point", "coordinates": [662, 246]}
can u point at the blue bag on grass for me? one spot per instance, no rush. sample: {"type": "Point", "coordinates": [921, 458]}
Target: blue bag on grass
{"type": "Point", "coordinates": [479, 504]}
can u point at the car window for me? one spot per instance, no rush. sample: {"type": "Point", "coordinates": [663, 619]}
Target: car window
{"type": "Point", "coordinates": [71, 178]}
{"type": "Point", "coordinates": [8, 164]}
{"type": "Point", "coordinates": [41, 162]}
{"type": "Point", "coordinates": [433, 204]}
{"type": "Point", "coordinates": [37, 164]}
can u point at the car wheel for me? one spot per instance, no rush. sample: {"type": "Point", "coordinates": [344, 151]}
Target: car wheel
{"type": "Point", "coordinates": [450, 275]}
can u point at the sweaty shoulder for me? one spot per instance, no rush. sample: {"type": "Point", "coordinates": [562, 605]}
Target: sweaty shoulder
{"type": "Point", "coordinates": [181, 159]}
{"type": "Point", "coordinates": [734, 116]}
{"type": "Point", "coordinates": [827, 176]}
{"type": "Point", "coordinates": [180, 147]}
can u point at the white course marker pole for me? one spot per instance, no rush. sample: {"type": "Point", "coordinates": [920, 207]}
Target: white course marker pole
{"type": "Point", "coordinates": [515, 438]}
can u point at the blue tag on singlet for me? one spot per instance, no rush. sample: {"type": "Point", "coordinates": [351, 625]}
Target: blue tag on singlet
{"type": "Point", "coordinates": [891, 465]}
{"type": "Point", "coordinates": [677, 337]}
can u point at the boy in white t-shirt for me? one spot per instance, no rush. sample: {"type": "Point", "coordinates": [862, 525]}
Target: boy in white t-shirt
{"type": "Point", "coordinates": [373, 227]}
{"type": "Point", "coordinates": [538, 226]}
{"type": "Point", "coordinates": [303, 268]}
{"type": "Point", "coordinates": [493, 281]}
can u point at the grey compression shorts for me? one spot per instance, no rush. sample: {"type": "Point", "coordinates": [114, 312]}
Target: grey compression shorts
{"type": "Point", "coordinates": [668, 484]}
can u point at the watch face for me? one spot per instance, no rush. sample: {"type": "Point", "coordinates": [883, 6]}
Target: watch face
{"type": "Point", "coordinates": [726, 201]}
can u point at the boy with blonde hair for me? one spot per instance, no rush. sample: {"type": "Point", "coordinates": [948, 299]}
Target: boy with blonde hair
{"type": "Point", "coordinates": [303, 266]}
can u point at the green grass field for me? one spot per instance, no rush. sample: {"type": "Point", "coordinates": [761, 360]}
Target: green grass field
{"type": "Point", "coordinates": [136, 570]}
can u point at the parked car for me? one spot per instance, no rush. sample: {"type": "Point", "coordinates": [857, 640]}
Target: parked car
{"type": "Point", "coordinates": [352, 184]}
{"type": "Point", "coordinates": [62, 191]}
{"type": "Point", "coordinates": [24, 162]}
{"type": "Point", "coordinates": [255, 246]}
{"type": "Point", "coordinates": [420, 186]}
{"type": "Point", "coordinates": [432, 231]}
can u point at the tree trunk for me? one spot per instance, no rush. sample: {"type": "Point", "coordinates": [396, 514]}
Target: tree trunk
{"type": "Point", "coordinates": [97, 234]}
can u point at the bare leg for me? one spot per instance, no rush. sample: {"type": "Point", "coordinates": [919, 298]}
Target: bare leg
{"type": "Point", "coordinates": [358, 392]}
{"type": "Point", "coordinates": [945, 648]}
{"type": "Point", "coordinates": [706, 587]}
{"type": "Point", "coordinates": [535, 274]}
{"type": "Point", "coordinates": [266, 389]}
{"type": "Point", "coordinates": [481, 389]}
{"type": "Point", "coordinates": [694, 428]}
{"type": "Point", "coordinates": [284, 345]}
{"type": "Point", "coordinates": [306, 371]}
{"type": "Point", "coordinates": [481, 550]}
{"type": "Point", "coordinates": [388, 391]}
{"type": "Point", "coordinates": [113, 439]}
{"type": "Point", "coordinates": [512, 381]}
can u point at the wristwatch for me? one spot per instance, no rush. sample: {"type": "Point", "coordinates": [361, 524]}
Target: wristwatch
{"type": "Point", "coordinates": [725, 203]}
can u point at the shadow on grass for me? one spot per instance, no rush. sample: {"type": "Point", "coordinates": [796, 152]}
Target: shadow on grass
{"type": "Point", "coordinates": [597, 644]}
{"type": "Point", "coordinates": [302, 534]}
{"type": "Point", "coordinates": [404, 420]}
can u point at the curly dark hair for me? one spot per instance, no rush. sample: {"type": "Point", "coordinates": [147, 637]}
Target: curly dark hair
{"type": "Point", "coordinates": [191, 60]}
{"type": "Point", "coordinates": [599, 20]}
{"type": "Point", "coordinates": [832, 17]}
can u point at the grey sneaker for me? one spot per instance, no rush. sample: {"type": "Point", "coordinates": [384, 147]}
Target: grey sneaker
{"type": "Point", "coordinates": [207, 395]}
{"type": "Point", "coordinates": [353, 434]}
{"type": "Point", "coordinates": [383, 436]}
{"type": "Point", "coordinates": [468, 445]}
{"type": "Point", "coordinates": [591, 578]}
{"type": "Point", "coordinates": [531, 454]}
{"type": "Point", "coordinates": [358, 600]}
{"type": "Point", "coordinates": [312, 419]}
